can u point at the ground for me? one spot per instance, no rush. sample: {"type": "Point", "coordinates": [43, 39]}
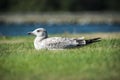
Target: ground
{"type": "Point", "coordinates": [98, 61]}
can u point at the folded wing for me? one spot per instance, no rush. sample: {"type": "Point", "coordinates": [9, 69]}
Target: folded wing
{"type": "Point", "coordinates": [62, 43]}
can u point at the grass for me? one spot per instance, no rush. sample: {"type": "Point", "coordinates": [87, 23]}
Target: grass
{"type": "Point", "coordinates": [99, 61]}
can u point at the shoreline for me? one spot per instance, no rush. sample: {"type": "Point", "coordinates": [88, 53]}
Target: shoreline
{"type": "Point", "coordinates": [56, 18]}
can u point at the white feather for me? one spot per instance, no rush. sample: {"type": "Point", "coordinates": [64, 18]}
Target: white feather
{"type": "Point", "coordinates": [43, 42]}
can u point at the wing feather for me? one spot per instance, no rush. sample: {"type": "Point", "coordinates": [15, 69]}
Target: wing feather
{"type": "Point", "coordinates": [58, 42]}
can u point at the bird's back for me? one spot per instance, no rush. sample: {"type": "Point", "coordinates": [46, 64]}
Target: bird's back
{"type": "Point", "coordinates": [59, 43]}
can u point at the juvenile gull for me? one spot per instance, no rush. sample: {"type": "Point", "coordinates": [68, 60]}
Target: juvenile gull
{"type": "Point", "coordinates": [42, 41]}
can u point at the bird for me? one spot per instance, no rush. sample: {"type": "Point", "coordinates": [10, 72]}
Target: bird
{"type": "Point", "coordinates": [42, 41]}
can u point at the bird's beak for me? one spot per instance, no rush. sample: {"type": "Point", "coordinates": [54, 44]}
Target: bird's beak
{"type": "Point", "coordinates": [30, 33]}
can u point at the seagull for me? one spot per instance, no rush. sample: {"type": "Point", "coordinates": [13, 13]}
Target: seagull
{"type": "Point", "coordinates": [42, 41]}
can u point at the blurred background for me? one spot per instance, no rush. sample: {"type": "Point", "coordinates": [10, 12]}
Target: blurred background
{"type": "Point", "coordinates": [17, 17]}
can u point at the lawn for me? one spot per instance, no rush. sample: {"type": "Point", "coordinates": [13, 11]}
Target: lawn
{"type": "Point", "coordinates": [98, 61]}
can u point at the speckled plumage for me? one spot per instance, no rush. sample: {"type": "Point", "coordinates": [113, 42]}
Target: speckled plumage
{"type": "Point", "coordinates": [43, 42]}
{"type": "Point", "coordinates": [59, 43]}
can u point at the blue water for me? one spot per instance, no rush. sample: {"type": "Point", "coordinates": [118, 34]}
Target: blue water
{"type": "Point", "coordinates": [22, 29]}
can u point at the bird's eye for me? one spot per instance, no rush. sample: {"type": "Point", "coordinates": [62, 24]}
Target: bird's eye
{"type": "Point", "coordinates": [38, 30]}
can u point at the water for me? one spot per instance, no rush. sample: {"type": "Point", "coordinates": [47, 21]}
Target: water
{"type": "Point", "coordinates": [22, 29]}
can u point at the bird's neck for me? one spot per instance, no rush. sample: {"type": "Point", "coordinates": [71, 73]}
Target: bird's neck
{"type": "Point", "coordinates": [38, 39]}
{"type": "Point", "coordinates": [37, 42]}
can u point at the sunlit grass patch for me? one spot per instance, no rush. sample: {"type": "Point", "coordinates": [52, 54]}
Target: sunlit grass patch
{"type": "Point", "coordinates": [98, 61]}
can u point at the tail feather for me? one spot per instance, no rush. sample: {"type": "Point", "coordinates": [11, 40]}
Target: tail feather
{"type": "Point", "coordinates": [89, 41]}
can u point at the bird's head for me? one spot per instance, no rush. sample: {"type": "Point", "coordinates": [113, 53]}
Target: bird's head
{"type": "Point", "coordinates": [40, 32]}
